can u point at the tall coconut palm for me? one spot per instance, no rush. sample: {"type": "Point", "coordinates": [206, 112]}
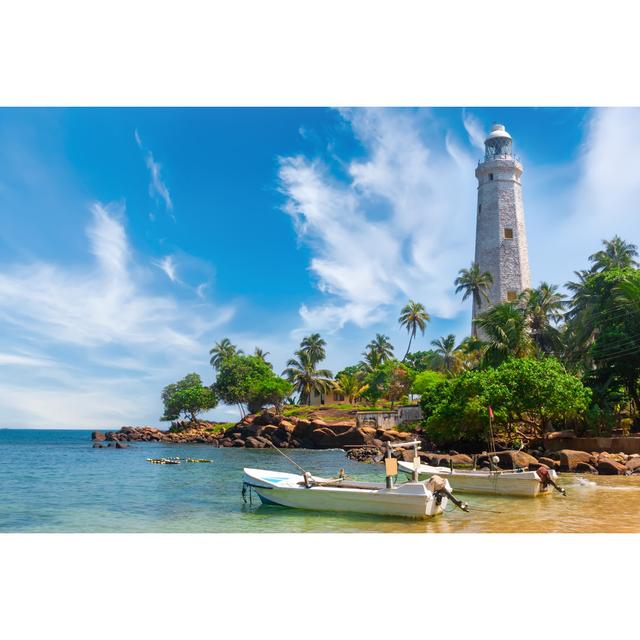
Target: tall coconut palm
{"type": "Point", "coordinates": [222, 351]}
{"type": "Point", "coordinates": [381, 346]}
{"type": "Point", "coordinates": [506, 333]}
{"type": "Point", "coordinates": [449, 359]}
{"type": "Point", "coordinates": [617, 253]}
{"type": "Point", "coordinates": [543, 309]}
{"type": "Point", "coordinates": [472, 282]}
{"type": "Point", "coordinates": [302, 373]}
{"type": "Point", "coordinates": [351, 386]}
{"type": "Point", "coordinates": [314, 347]}
{"type": "Point", "coordinates": [413, 316]}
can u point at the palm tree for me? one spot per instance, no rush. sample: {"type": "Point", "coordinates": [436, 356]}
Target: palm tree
{"type": "Point", "coordinates": [476, 284]}
{"type": "Point", "coordinates": [350, 385]}
{"type": "Point", "coordinates": [447, 352]}
{"type": "Point", "coordinates": [222, 351]}
{"type": "Point", "coordinates": [370, 361]}
{"type": "Point", "coordinates": [314, 346]}
{"type": "Point", "coordinates": [505, 328]}
{"type": "Point", "coordinates": [262, 355]}
{"type": "Point", "coordinates": [413, 316]}
{"type": "Point", "coordinates": [302, 373]}
{"type": "Point", "coordinates": [617, 253]}
{"type": "Point", "coordinates": [543, 309]}
{"type": "Point", "coordinates": [381, 346]}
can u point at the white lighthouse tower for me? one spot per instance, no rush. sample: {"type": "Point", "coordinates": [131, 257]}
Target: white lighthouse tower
{"type": "Point", "coordinates": [501, 239]}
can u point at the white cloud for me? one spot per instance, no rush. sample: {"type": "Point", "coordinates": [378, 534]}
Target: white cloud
{"type": "Point", "coordinates": [157, 187]}
{"type": "Point", "coordinates": [474, 129]}
{"type": "Point", "coordinates": [168, 265]}
{"type": "Point", "coordinates": [400, 227]}
{"type": "Point", "coordinates": [99, 318]}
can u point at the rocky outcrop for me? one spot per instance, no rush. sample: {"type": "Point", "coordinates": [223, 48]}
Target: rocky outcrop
{"type": "Point", "coordinates": [98, 435]}
{"type": "Point", "coordinates": [570, 459]}
{"type": "Point", "coordinates": [609, 467]}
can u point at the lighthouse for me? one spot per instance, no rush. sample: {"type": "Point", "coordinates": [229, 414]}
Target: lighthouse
{"type": "Point", "coordinates": [501, 239]}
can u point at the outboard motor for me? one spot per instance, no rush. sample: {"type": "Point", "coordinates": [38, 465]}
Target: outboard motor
{"type": "Point", "coordinates": [439, 487]}
{"type": "Point", "coordinates": [546, 479]}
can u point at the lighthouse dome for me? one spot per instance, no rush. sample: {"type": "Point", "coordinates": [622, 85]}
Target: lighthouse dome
{"type": "Point", "coordinates": [498, 131]}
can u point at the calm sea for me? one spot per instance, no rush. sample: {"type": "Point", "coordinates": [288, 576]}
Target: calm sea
{"type": "Point", "coordinates": [54, 481]}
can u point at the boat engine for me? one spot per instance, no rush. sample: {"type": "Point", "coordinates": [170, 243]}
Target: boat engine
{"type": "Point", "coordinates": [546, 479]}
{"type": "Point", "coordinates": [440, 488]}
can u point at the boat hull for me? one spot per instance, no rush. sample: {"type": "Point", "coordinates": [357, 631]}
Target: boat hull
{"type": "Point", "coordinates": [409, 500]}
{"type": "Point", "coordinates": [504, 483]}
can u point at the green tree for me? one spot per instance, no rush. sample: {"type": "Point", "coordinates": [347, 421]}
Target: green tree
{"type": "Point", "coordinates": [413, 316]}
{"type": "Point", "coordinates": [448, 357]}
{"type": "Point", "coordinates": [268, 390]}
{"type": "Point", "coordinates": [187, 396]}
{"type": "Point", "coordinates": [421, 360]}
{"type": "Point", "coordinates": [350, 385]}
{"type": "Point", "coordinates": [472, 282]}
{"type": "Point", "coordinates": [244, 380]}
{"type": "Point", "coordinates": [314, 347]}
{"type": "Point", "coordinates": [617, 254]}
{"type": "Point", "coordinates": [526, 394]}
{"type": "Point", "coordinates": [543, 310]}
{"type": "Point", "coordinates": [221, 351]}
{"type": "Point", "coordinates": [426, 381]}
{"type": "Point", "coordinates": [506, 332]}
{"type": "Point", "coordinates": [382, 348]}
{"type": "Point", "coordinates": [391, 380]}
{"type": "Point", "coordinates": [302, 373]}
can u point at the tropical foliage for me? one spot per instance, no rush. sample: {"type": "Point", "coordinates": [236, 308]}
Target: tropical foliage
{"type": "Point", "coordinates": [413, 316]}
{"type": "Point", "coordinates": [187, 397]}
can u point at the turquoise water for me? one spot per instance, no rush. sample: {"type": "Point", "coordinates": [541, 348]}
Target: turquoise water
{"type": "Point", "coordinates": [54, 481]}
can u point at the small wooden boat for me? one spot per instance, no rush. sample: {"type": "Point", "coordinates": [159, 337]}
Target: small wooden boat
{"type": "Point", "coordinates": [163, 460]}
{"type": "Point", "coordinates": [493, 482]}
{"type": "Point", "coordinates": [409, 499]}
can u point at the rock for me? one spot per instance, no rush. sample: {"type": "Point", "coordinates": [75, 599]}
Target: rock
{"type": "Point", "coordinates": [632, 464]}
{"type": "Point", "coordinates": [97, 445]}
{"type": "Point", "coordinates": [237, 443]}
{"type": "Point", "coordinates": [569, 459]}
{"type": "Point", "coordinates": [98, 435]}
{"type": "Point", "coordinates": [584, 467]}
{"type": "Point", "coordinates": [324, 438]}
{"type": "Point", "coordinates": [253, 429]}
{"type": "Point", "coordinates": [302, 429]}
{"type": "Point", "coordinates": [226, 442]}
{"type": "Point", "coordinates": [391, 435]}
{"type": "Point", "coordinates": [267, 417]}
{"type": "Point", "coordinates": [121, 445]}
{"type": "Point", "coordinates": [554, 435]}
{"type": "Point", "coordinates": [253, 443]}
{"type": "Point", "coordinates": [460, 459]}
{"type": "Point", "coordinates": [549, 462]}
{"type": "Point", "coordinates": [609, 467]}
{"type": "Point", "coordinates": [364, 454]}
{"type": "Point", "coordinates": [356, 436]}
{"type": "Point", "coordinates": [510, 459]}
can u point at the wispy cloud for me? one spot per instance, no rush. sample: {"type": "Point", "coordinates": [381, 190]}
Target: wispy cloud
{"type": "Point", "coordinates": [474, 129]}
{"type": "Point", "coordinates": [157, 187]}
{"type": "Point", "coordinates": [109, 315]}
{"type": "Point", "coordinates": [168, 265]}
{"type": "Point", "coordinates": [399, 227]}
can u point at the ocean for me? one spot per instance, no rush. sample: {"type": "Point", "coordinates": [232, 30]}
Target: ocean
{"type": "Point", "coordinates": [54, 481]}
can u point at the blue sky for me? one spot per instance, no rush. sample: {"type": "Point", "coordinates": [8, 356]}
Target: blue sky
{"type": "Point", "coordinates": [131, 239]}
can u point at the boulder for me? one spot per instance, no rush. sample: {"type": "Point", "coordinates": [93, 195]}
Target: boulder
{"type": "Point", "coordinates": [237, 443]}
{"type": "Point", "coordinates": [225, 442]}
{"type": "Point", "coordinates": [288, 426]}
{"type": "Point", "coordinates": [97, 445]}
{"type": "Point", "coordinates": [98, 435]}
{"type": "Point", "coordinates": [584, 467]}
{"type": "Point", "coordinates": [356, 436]}
{"type": "Point", "coordinates": [609, 467]}
{"type": "Point", "coordinates": [121, 445]}
{"type": "Point", "coordinates": [632, 464]}
{"type": "Point", "coordinates": [554, 435]}
{"type": "Point", "coordinates": [549, 462]}
{"type": "Point", "coordinates": [267, 417]}
{"type": "Point", "coordinates": [391, 435]}
{"type": "Point", "coordinates": [569, 459]}
{"type": "Point", "coordinates": [253, 443]}
{"type": "Point", "coordinates": [510, 459]}
{"type": "Point", "coordinates": [460, 459]}
{"type": "Point", "coordinates": [324, 438]}
{"type": "Point", "coordinates": [253, 429]}
{"type": "Point", "coordinates": [302, 429]}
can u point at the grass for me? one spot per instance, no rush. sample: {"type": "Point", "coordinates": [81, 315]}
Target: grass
{"type": "Point", "coordinates": [222, 426]}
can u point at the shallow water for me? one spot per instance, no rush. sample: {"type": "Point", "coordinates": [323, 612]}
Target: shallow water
{"type": "Point", "coordinates": [54, 481]}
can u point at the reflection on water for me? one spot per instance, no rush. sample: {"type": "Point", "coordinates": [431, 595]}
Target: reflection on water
{"type": "Point", "coordinates": [55, 481]}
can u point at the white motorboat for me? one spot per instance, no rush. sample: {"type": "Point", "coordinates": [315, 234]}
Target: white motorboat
{"type": "Point", "coordinates": [517, 482]}
{"type": "Point", "coordinates": [409, 499]}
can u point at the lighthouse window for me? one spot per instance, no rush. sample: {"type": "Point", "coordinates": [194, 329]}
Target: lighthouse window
{"type": "Point", "coordinates": [491, 176]}
{"type": "Point", "coordinates": [508, 233]}
{"type": "Point", "coordinates": [511, 296]}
